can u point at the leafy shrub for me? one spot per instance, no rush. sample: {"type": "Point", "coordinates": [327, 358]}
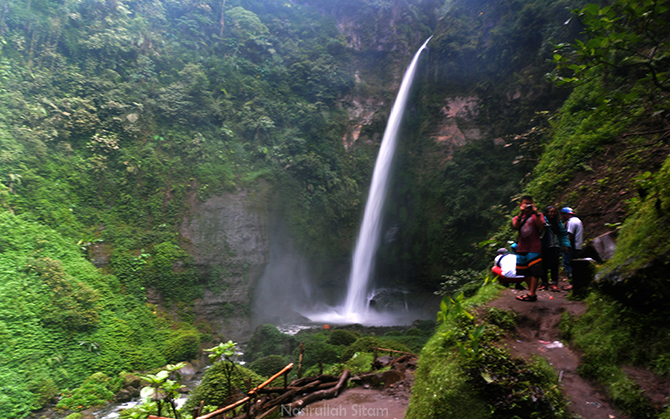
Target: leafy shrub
{"type": "Point", "coordinates": [315, 351]}
{"type": "Point", "coordinates": [363, 344]}
{"type": "Point", "coordinates": [341, 337]}
{"type": "Point", "coordinates": [94, 391]}
{"type": "Point", "coordinates": [359, 363]}
{"type": "Point", "coordinates": [414, 332]}
{"type": "Point", "coordinates": [214, 387]}
{"type": "Point", "coordinates": [268, 340]}
{"type": "Point", "coordinates": [268, 365]}
{"type": "Point", "coordinates": [182, 346]}
{"type": "Point", "coordinates": [45, 388]}
{"type": "Point", "coordinates": [411, 343]}
{"type": "Point", "coordinates": [73, 305]}
{"type": "Point", "coordinates": [425, 326]}
{"type": "Point", "coordinates": [515, 387]}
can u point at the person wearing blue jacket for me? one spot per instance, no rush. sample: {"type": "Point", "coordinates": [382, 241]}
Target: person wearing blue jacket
{"type": "Point", "coordinates": [554, 242]}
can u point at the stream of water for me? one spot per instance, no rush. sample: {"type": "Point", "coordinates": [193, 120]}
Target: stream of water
{"type": "Point", "coordinates": [356, 306]}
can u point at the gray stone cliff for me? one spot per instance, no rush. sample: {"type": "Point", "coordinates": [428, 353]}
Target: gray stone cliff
{"type": "Point", "coordinates": [228, 238]}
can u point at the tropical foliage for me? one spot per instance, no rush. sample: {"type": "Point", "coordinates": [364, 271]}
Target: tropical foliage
{"type": "Point", "coordinates": [61, 319]}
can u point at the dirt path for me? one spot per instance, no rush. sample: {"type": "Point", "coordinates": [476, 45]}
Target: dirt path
{"type": "Point", "coordinates": [537, 333]}
{"type": "Point", "coordinates": [360, 403]}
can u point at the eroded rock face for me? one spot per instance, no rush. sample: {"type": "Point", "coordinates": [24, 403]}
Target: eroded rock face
{"type": "Point", "coordinates": [456, 127]}
{"type": "Point", "coordinates": [228, 238]}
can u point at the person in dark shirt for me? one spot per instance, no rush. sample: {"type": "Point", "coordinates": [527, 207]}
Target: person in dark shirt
{"type": "Point", "coordinates": [554, 241]}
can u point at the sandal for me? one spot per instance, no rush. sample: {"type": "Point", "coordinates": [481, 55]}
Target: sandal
{"type": "Point", "coordinates": [554, 288]}
{"type": "Point", "coordinates": [527, 297]}
{"type": "Point", "coordinates": [541, 288]}
{"type": "Point", "coordinates": [566, 287]}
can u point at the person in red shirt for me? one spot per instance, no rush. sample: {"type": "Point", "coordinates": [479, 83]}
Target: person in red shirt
{"type": "Point", "coordinates": [530, 224]}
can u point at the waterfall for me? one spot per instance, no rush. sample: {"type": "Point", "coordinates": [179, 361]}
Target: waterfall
{"type": "Point", "coordinates": [368, 237]}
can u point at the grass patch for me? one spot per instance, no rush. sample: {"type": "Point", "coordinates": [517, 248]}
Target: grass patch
{"type": "Point", "coordinates": [612, 335]}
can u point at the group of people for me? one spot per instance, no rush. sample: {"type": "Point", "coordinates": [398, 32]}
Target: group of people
{"type": "Point", "coordinates": [543, 239]}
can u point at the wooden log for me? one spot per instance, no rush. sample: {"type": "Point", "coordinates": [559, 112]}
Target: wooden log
{"type": "Point", "coordinates": [223, 410]}
{"type": "Point", "coordinates": [318, 395]}
{"type": "Point", "coordinates": [324, 386]}
{"type": "Point", "coordinates": [271, 379]}
{"type": "Point", "coordinates": [268, 413]}
{"type": "Point", "coordinates": [323, 378]}
{"type": "Point", "coordinates": [402, 359]}
{"type": "Point", "coordinates": [286, 397]}
{"type": "Point", "coordinates": [244, 400]}
{"type": "Point", "coordinates": [318, 385]}
{"type": "Point", "coordinates": [197, 411]}
{"type": "Point", "coordinates": [273, 404]}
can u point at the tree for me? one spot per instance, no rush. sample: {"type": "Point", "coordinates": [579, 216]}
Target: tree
{"type": "Point", "coordinates": [628, 37]}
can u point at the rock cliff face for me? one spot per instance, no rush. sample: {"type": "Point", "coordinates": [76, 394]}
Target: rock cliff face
{"type": "Point", "coordinates": [228, 238]}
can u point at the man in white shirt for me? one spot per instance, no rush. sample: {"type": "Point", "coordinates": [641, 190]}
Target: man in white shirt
{"type": "Point", "coordinates": [505, 267]}
{"type": "Point", "coordinates": [575, 230]}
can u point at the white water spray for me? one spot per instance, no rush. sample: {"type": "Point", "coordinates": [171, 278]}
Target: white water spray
{"type": "Point", "coordinates": [368, 238]}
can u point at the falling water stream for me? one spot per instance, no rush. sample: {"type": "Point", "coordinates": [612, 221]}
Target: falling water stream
{"type": "Point", "coordinates": [355, 308]}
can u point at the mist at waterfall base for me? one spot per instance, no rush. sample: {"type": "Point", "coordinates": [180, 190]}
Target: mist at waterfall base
{"type": "Point", "coordinates": [362, 305]}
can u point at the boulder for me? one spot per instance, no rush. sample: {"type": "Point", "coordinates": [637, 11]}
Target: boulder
{"type": "Point", "coordinates": [605, 245]}
{"type": "Point", "coordinates": [644, 289]}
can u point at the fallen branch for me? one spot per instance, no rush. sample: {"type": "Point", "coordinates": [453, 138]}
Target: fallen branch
{"type": "Point", "coordinates": [302, 384]}
{"type": "Point", "coordinates": [252, 392]}
{"type": "Point", "coordinates": [393, 351]}
{"type": "Point", "coordinates": [318, 395]}
{"type": "Point", "coordinates": [271, 379]}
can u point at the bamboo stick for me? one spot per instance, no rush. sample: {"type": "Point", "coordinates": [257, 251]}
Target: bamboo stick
{"type": "Point", "coordinates": [250, 393]}
{"type": "Point", "coordinates": [391, 350]}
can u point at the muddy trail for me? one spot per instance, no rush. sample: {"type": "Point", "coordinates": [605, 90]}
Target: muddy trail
{"type": "Point", "coordinates": [536, 333]}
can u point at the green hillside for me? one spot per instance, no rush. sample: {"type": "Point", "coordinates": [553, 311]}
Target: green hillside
{"type": "Point", "coordinates": [61, 319]}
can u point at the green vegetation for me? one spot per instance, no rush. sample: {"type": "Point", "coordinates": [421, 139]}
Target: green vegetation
{"type": "Point", "coordinates": [61, 319]}
{"type": "Point", "coordinates": [162, 392]}
{"type": "Point", "coordinates": [464, 373]}
{"type": "Point", "coordinates": [613, 335]}
{"type": "Point", "coordinates": [269, 365]}
{"type": "Point", "coordinates": [214, 389]}
{"type": "Point", "coordinates": [115, 117]}
{"type": "Point", "coordinates": [341, 337]}
{"type": "Point", "coordinates": [96, 390]}
{"type": "Point", "coordinates": [619, 106]}
{"type": "Point", "coordinates": [268, 340]}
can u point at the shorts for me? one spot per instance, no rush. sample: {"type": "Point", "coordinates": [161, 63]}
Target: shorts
{"type": "Point", "coordinates": [529, 264]}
